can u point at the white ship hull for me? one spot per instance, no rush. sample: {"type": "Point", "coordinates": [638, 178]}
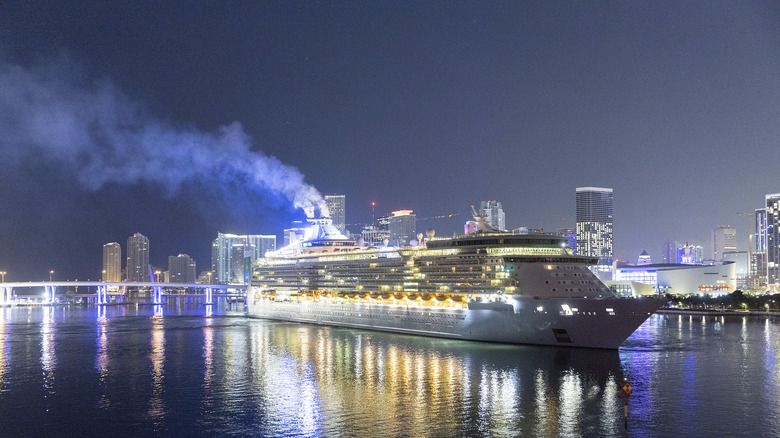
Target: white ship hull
{"type": "Point", "coordinates": [595, 323]}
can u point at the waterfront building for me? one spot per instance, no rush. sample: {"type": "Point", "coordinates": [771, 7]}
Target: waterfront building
{"type": "Point", "coordinates": [644, 258]}
{"type": "Point", "coordinates": [494, 214]}
{"type": "Point", "coordinates": [402, 226]}
{"type": "Point", "coordinates": [682, 279]}
{"type": "Point", "coordinates": [724, 238]}
{"type": "Point", "coordinates": [138, 258]}
{"type": "Point", "coordinates": [232, 254]}
{"type": "Point", "coordinates": [181, 269]}
{"type": "Point", "coordinates": [741, 261]}
{"type": "Point", "coordinates": [337, 209]}
{"type": "Point", "coordinates": [773, 241]}
{"type": "Point", "coordinates": [112, 262]}
{"type": "Point", "coordinates": [594, 226]}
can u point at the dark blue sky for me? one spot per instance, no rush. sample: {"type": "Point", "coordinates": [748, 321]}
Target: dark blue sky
{"type": "Point", "coordinates": [431, 106]}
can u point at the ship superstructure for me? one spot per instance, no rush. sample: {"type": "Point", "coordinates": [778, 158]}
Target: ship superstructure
{"type": "Point", "coordinates": [490, 286]}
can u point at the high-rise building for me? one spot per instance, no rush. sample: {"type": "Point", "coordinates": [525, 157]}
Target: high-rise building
{"type": "Point", "coordinates": [494, 214]}
{"type": "Point", "coordinates": [741, 260]}
{"type": "Point", "coordinates": [669, 255]}
{"type": "Point", "coordinates": [594, 223]}
{"type": "Point", "coordinates": [337, 209]}
{"type": "Point", "coordinates": [758, 260]}
{"type": "Point", "coordinates": [373, 236]}
{"type": "Point", "coordinates": [181, 269]}
{"type": "Point", "coordinates": [112, 262]}
{"type": "Point", "coordinates": [761, 229]}
{"type": "Point", "coordinates": [644, 259]}
{"type": "Point", "coordinates": [773, 241]}
{"type": "Point", "coordinates": [724, 239]}
{"type": "Point", "coordinates": [690, 254]}
{"type": "Point", "coordinates": [402, 226]}
{"type": "Point", "coordinates": [138, 258]}
{"type": "Point", "coordinates": [232, 254]}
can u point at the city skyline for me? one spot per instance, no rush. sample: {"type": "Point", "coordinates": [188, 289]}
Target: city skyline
{"type": "Point", "coordinates": [431, 108]}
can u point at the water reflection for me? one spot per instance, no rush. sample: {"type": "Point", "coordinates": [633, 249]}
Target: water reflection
{"type": "Point", "coordinates": [48, 356]}
{"type": "Point", "coordinates": [102, 354]}
{"type": "Point", "coordinates": [4, 350]}
{"type": "Point", "coordinates": [420, 386]}
{"type": "Point", "coordinates": [156, 402]}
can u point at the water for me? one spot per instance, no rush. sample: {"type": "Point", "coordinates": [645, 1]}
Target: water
{"type": "Point", "coordinates": [144, 371]}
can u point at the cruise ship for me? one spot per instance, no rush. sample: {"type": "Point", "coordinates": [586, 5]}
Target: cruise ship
{"type": "Point", "coordinates": [489, 286]}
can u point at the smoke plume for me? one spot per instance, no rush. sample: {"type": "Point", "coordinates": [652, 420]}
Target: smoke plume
{"type": "Point", "coordinates": [105, 137]}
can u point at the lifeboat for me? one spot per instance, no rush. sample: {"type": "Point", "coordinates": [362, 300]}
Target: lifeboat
{"type": "Point", "coordinates": [398, 296]}
{"type": "Point", "coordinates": [412, 297]}
{"type": "Point", "coordinates": [457, 298]}
{"type": "Point", "coordinates": [442, 297]}
{"type": "Point", "coordinates": [427, 297]}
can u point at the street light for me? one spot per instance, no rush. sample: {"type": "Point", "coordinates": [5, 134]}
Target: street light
{"type": "Point", "coordinates": [157, 273]}
{"type": "Point", "coordinates": [2, 273]}
{"type": "Point", "coordinates": [50, 274]}
{"type": "Point", "coordinates": [208, 273]}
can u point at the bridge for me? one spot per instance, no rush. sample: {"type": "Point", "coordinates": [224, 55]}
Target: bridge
{"type": "Point", "coordinates": [102, 288]}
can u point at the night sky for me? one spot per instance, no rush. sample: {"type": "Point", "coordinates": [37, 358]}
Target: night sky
{"type": "Point", "coordinates": [178, 120]}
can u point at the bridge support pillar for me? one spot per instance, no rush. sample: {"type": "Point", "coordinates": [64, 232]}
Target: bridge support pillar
{"type": "Point", "coordinates": [102, 295]}
{"type": "Point", "coordinates": [6, 295]}
{"type": "Point", "coordinates": [209, 295]}
{"type": "Point", "coordinates": [157, 294]}
{"type": "Point", "coordinates": [50, 292]}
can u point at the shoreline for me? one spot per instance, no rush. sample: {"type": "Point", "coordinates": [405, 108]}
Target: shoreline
{"type": "Point", "coordinates": [669, 311]}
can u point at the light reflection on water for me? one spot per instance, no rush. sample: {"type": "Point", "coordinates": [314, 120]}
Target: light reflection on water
{"type": "Point", "coordinates": [160, 371]}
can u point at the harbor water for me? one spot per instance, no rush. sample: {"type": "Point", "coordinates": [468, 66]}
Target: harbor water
{"type": "Point", "coordinates": [195, 371]}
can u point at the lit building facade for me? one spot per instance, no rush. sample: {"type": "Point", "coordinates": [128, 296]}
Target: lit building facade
{"type": "Point", "coordinates": [402, 225]}
{"type": "Point", "coordinates": [741, 260]}
{"type": "Point", "coordinates": [138, 258]}
{"type": "Point", "coordinates": [373, 236]}
{"type": "Point", "coordinates": [181, 269]}
{"type": "Point", "coordinates": [690, 255]}
{"type": "Point", "coordinates": [669, 254]}
{"type": "Point", "coordinates": [773, 241]}
{"type": "Point", "coordinates": [232, 254]}
{"type": "Point", "coordinates": [112, 262]}
{"type": "Point", "coordinates": [644, 259]}
{"type": "Point", "coordinates": [494, 214]}
{"type": "Point", "coordinates": [594, 223]}
{"type": "Point", "coordinates": [682, 279]}
{"type": "Point", "coordinates": [337, 209]}
{"type": "Point", "coordinates": [724, 239]}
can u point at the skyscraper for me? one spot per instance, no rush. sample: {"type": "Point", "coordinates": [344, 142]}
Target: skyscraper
{"type": "Point", "coordinates": [758, 262]}
{"type": "Point", "coordinates": [594, 223]}
{"type": "Point", "coordinates": [181, 269]}
{"type": "Point", "coordinates": [112, 262]}
{"type": "Point", "coordinates": [773, 241]}
{"type": "Point", "coordinates": [337, 208]}
{"type": "Point", "coordinates": [669, 251]}
{"type": "Point", "coordinates": [724, 239]}
{"type": "Point", "coordinates": [138, 258]}
{"type": "Point", "coordinates": [402, 227]}
{"type": "Point", "coordinates": [494, 214]}
{"type": "Point", "coordinates": [232, 254]}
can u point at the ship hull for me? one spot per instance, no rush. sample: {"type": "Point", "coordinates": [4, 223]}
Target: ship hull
{"type": "Point", "coordinates": [571, 322]}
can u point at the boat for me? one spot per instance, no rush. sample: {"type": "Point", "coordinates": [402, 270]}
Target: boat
{"type": "Point", "coordinates": [489, 286]}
